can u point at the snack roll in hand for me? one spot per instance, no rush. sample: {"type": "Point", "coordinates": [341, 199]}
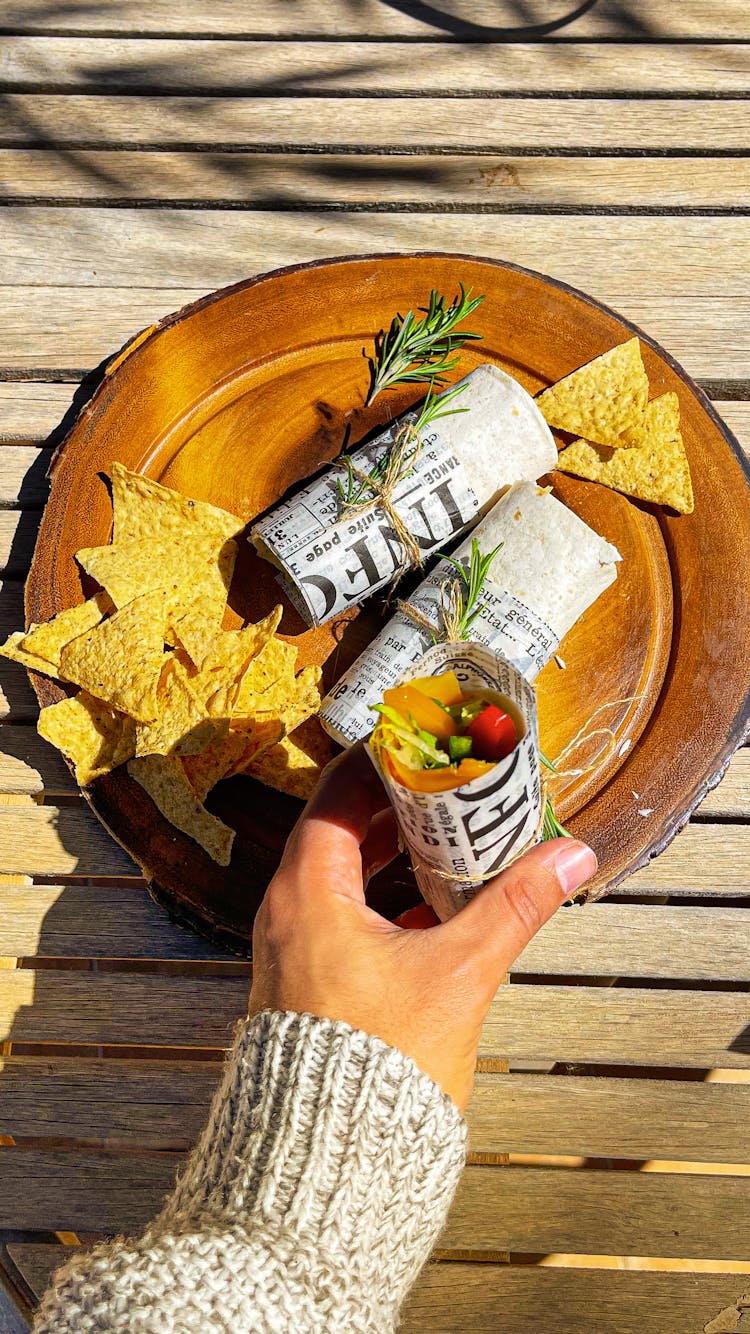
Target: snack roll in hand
{"type": "Point", "coordinates": [332, 556]}
{"type": "Point", "coordinates": [550, 569]}
{"type": "Point", "coordinates": [457, 748]}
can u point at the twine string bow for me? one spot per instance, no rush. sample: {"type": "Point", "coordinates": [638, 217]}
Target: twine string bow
{"type": "Point", "coordinates": [399, 461]}
{"type": "Point", "coordinates": [450, 614]}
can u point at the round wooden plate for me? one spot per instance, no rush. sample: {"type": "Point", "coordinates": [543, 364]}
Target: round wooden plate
{"type": "Point", "coordinates": [237, 397]}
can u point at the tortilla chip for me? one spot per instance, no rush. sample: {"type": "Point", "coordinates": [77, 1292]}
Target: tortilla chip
{"type": "Point", "coordinates": [276, 661]}
{"type": "Point", "coordinates": [92, 736]}
{"type": "Point", "coordinates": [182, 726]}
{"type": "Point", "coordinates": [656, 471]}
{"type": "Point", "coordinates": [194, 627]}
{"type": "Point", "coordinates": [602, 399]}
{"type": "Point", "coordinates": [47, 640]}
{"type": "Point", "coordinates": [154, 515]}
{"type": "Point", "coordinates": [163, 778]}
{"type": "Point", "coordinates": [227, 755]}
{"type": "Point", "coordinates": [129, 570]}
{"type": "Point", "coordinates": [294, 765]}
{"type": "Point", "coordinates": [259, 739]}
{"type": "Point", "coordinates": [217, 680]}
{"type": "Point", "coordinates": [12, 649]}
{"type": "Point", "coordinates": [120, 660]}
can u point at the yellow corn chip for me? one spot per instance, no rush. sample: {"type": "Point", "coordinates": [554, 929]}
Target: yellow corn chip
{"type": "Point", "coordinates": [602, 399]}
{"type": "Point", "coordinates": [296, 763]}
{"type": "Point", "coordinates": [92, 736]}
{"type": "Point", "coordinates": [129, 570]}
{"type": "Point", "coordinates": [164, 779]}
{"type": "Point", "coordinates": [12, 649]}
{"type": "Point", "coordinates": [154, 515]}
{"type": "Point", "coordinates": [275, 662]}
{"type": "Point", "coordinates": [183, 726]}
{"type": "Point", "coordinates": [227, 755]}
{"type": "Point", "coordinates": [657, 471]}
{"type": "Point", "coordinates": [195, 627]}
{"type": "Point", "coordinates": [217, 680]}
{"type": "Point", "coordinates": [265, 734]}
{"type": "Point", "coordinates": [120, 660]}
{"type": "Point", "coordinates": [46, 640]}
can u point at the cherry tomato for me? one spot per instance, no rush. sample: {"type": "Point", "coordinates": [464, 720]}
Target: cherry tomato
{"type": "Point", "coordinates": [493, 734]}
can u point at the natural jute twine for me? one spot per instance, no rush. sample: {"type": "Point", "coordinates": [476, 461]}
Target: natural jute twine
{"type": "Point", "coordinates": [451, 611]}
{"type": "Point", "coordinates": [399, 463]}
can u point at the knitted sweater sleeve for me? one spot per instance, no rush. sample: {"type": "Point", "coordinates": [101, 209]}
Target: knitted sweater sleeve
{"type": "Point", "coordinates": [310, 1203]}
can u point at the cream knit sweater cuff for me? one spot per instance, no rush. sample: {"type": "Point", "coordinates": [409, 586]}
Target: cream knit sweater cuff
{"type": "Point", "coordinates": [312, 1200]}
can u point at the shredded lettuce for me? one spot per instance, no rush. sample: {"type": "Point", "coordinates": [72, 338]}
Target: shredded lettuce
{"type": "Point", "coordinates": [412, 746]}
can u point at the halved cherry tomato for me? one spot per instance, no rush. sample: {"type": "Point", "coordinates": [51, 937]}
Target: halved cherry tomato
{"type": "Point", "coordinates": [493, 734]}
{"type": "Point", "coordinates": [436, 780]}
{"type": "Point", "coordinates": [417, 919]}
{"type": "Point", "coordinates": [413, 705]}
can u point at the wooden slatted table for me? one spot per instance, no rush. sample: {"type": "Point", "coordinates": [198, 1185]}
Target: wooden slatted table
{"type": "Point", "coordinates": [150, 152]}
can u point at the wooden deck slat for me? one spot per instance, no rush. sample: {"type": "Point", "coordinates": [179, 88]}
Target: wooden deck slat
{"type": "Point", "coordinates": [30, 410]}
{"type": "Point", "coordinates": [18, 530]}
{"type": "Point", "coordinates": [605, 939]}
{"type": "Point", "coordinates": [70, 838]}
{"type": "Point", "coordinates": [503, 1299]}
{"type": "Point", "coordinates": [608, 1118]}
{"type": "Point", "coordinates": [628, 940]}
{"type": "Point", "coordinates": [164, 1104]}
{"type": "Point", "coordinates": [32, 766]}
{"type": "Point", "coordinates": [691, 1029]}
{"type": "Point", "coordinates": [276, 18]}
{"type": "Point", "coordinates": [378, 123]}
{"type": "Point", "coordinates": [593, 1212]}
{"type": "Point", "coordinates": [702, 860]}
{"type": "Point", "coordinates": [77, 327]}
{"type": "Point", "coordinates": [322, 180]}
{"type": "Point", "coordinates": [262, 68]}
{"type": "Point", "coordinates": [504, 1208]}
{"type": "Point", "coordinates": [161, 249]}
{"type": "Point", "coordinates": [93, 922]}
{"type": "Point", "coordinates": [23, 479]}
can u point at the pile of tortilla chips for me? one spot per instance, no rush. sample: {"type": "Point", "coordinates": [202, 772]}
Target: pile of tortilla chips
{"type": "Point", "coordinates": [624, 441]}
{"type": "Point", "coordinates": [163, 687]}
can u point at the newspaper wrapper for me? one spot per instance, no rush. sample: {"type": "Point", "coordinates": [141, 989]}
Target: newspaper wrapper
{"type": "Point", "coordinates": [330, 559]}
{"type": "Point", "coordinates": [457, 840]}
{"type": "Point", "coordinates": [552, 566]}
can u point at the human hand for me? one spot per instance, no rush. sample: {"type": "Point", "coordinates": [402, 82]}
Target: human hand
{"type": "Point", "coordinates": [319, 949]}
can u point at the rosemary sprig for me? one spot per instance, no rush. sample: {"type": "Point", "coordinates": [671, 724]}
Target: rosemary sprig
{"type": "Point", "coordinates": [415, 351]}
{"type": "Point", "coordinates": [355, 491]}
{"type": "Point", "coordinates": [474, 578]}
{"type": "Point", "coordinates": [551, 827]}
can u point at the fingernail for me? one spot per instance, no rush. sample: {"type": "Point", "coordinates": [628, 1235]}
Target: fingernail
{"type": "Point", "coordinates": [574, 864]}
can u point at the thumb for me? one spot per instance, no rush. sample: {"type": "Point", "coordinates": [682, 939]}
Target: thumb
{"type": "Point", "coordinates": [499, 923]}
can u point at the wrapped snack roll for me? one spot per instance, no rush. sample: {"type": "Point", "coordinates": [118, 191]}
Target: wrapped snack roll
{"type": "Point", "coordinates": [331, 557]}
{"type": "Point", "coordinates": [457, 748]}
{"type": "Point", "coordinates": [550, 569]}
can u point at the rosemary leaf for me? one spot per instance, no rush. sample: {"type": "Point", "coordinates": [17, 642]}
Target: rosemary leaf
{"type": "Point", "coordinates": [474, 578]}
{"type": "Point", "coordinates": [415, 351]}
{"type": "Point", "coordinates": [355, 492]}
